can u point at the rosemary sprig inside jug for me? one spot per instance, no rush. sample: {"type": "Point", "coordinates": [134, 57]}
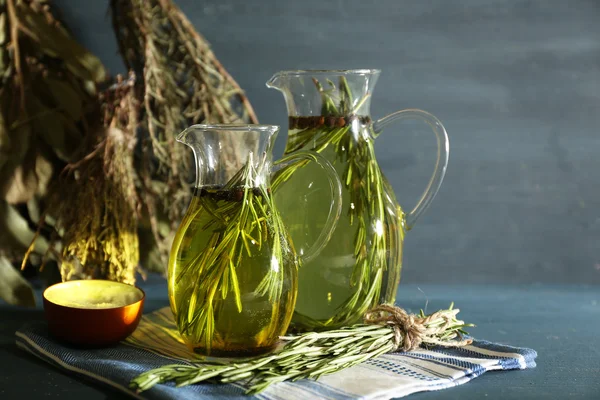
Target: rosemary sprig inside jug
{"type": "Point", "coordinates": [342, 133]}
{"type": "Point", "coordinates": [225, 239]}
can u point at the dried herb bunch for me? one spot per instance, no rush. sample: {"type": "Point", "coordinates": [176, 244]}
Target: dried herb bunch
{"type": "Point", "coordinates": [51, 116]}
{"type": "Point", "coordinates": [47, 92]}
{"type": "Point", "coordinates": [183, 84]}
{"type": "Point", "coordinates": [99, 238]}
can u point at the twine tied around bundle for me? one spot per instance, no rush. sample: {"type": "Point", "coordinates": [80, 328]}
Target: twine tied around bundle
{"type": "Point", "coordinates": [410, 330]}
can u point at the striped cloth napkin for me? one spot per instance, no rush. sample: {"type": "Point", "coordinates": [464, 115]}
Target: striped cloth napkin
{"type": "Point", "coordinates": [156, 343]}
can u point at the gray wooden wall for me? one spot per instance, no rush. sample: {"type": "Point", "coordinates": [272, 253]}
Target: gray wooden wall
{"type": "Point", "coordinates": [516, 83]}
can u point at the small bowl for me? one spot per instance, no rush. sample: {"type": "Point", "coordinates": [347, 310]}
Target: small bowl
{"type": "Point", "coordinates": [93, 312]}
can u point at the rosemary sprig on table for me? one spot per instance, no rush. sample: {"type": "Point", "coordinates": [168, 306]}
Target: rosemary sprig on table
{"type": "Point", "coordinates": [311, 355]}
{"type": "Point", "coordinates": [250, 219]}
{"type": "Point", "coordinates": [365, 184]}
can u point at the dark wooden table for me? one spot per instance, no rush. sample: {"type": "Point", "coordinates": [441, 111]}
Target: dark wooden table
{"type": "Point", "coordinates": [562, 323]}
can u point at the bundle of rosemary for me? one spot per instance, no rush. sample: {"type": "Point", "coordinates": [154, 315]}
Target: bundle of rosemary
{"type": "Point", "coordinates": [308, 356]}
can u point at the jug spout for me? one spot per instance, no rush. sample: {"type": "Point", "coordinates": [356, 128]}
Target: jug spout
{"type": "Point", "coordinates": [187, 136]}
{"type": "Point", "coordinates": [276, 81]}
{"type": "Point", "coordinates": [305, 90]}
{"type": "Point", "coordinates": [222, 150]}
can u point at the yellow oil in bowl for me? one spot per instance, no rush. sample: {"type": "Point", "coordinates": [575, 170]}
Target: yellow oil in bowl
{"type": "Point", "coordinates": [93, 312]}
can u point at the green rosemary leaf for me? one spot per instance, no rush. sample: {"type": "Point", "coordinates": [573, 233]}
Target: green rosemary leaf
{"type": "Point", "coordinates": [235, 286]}
{"type": "Point", "coordinates": [360, 103]}
{"type": "Point", "coordinates": [345, 96]}
{"type": "Point", "coordinates": [245, 241]}
{"type": "Point", "coordinates": [224, 282]}
{"type": "Point", "coordinates": [328, 106]}
{"type": "Point", "coordinates": [210, 325]}
{"type": "Point", "coordinates": [193, 299]}
{"type": "Point", "coordinates": [314, 354]}
{"type": "Point", "coordinates": [256, 220]}
{"type": "Point", "coordinates": [188, 266]}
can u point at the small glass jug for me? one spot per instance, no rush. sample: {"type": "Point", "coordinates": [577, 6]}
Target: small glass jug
{"type": "Point", "coordinates": [329, 113]}
{"type": "Point", "coordinates": [232, 275]}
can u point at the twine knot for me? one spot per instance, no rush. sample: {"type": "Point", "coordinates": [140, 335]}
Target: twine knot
{"type": "Point", "coordinates": [410, 331]}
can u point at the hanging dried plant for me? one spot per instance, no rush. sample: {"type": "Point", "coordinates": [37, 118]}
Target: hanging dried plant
{"type": "Point", "coordinates": [48, 85]}
{"type": "Point", "coordinates": [47, 90]}
{"type": "Point", "coordinates": [125, 183]}
{"type": "Point", "coordinates": [183, 83]}
{"type": "Point", "coordinates": [95, 202]}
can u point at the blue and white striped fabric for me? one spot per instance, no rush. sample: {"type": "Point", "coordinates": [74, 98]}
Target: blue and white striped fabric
{"type": "Point", "coordinates": [156, 343]}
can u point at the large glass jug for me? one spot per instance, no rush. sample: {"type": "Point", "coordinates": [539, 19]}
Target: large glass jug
{"type": "Point", "coordinates": [329, 113]}
{"type": "Point", "coordinates": [232, 274]}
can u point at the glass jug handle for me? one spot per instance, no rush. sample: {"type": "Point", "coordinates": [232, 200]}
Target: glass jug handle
{"type": "Point", "coordinates": [336, 197]}
{"type": "Point", "coordinates": [443, 148]}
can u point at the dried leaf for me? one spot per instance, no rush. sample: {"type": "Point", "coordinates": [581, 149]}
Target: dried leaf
{"type": "Point", "coordinates": [14, 289]}
{"type": "Point", "coordinates": [14, 150]}
{"type": "Point", "coordinates": [15, 233]}
{"type": "Point", "coordinates": [3, 37]}
{"type": "Point", "coordinates": [33, 209]}
{"type": "Point", "coordinates": [4, 137]}
{"type": "Point", "coordinates": [66, 98]}
{"type": "Point", "coordinates": [56, 43]}
{"type": "Point", "coordinates": [3, 28]}
{"type": "Point", "coordinates": [21, 186]}
{"type": "Point", "coordinates": [49, 126]}
{"type": "Point", "coordinates": [18, 143]}
{"type": "Point", "coordinates": [27, 179]}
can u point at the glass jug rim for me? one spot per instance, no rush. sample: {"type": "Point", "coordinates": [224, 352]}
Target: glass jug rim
{"type": "Point", "coordinates": [231, 127]}
{"type": "Point", "coordinates": [361, 71]}
{"type": "Point", "coordinates": [235, 127]}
